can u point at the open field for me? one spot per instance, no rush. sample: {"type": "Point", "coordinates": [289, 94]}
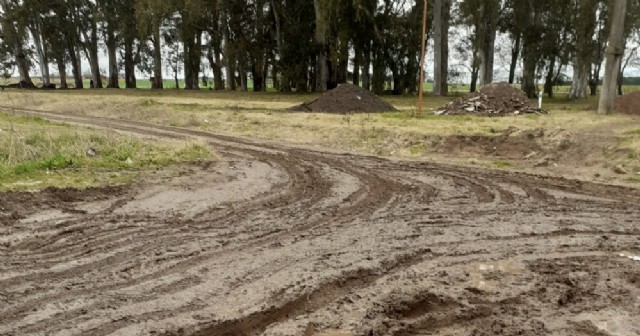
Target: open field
{"type": "Point", "coordinates": [301, 226]}
{"type": "Point", "coordinates": [572, 141]}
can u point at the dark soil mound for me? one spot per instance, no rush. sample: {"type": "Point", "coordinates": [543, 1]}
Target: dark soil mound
{"type": "Point", "coordinates": [343, 99]}
{"type": "Point", "coordinates": [491, 101]}
{"type": "Point", "coordinates": [628, 104]}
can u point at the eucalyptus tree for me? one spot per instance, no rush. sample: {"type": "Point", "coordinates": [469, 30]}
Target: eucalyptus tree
{"type": "Point", "coordinates": [15, 36]}
{"type": "Point", "coordinates": [482, 15]}
{"type": "Point", "coordinates": [151, 16]}
{"type": "Point", "coordinates": [441, 20]}
{"type": "Point", "coordinates": [584, 23]}
{"type": "Point", "coordinates": [614, 51]}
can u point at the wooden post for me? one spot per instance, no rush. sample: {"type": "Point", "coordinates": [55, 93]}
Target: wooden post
{"type": "Point", "coordinates": [422, 58]}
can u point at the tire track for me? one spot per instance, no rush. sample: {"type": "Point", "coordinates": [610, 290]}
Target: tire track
{"type": "Point", "coordinates": [259, 266]}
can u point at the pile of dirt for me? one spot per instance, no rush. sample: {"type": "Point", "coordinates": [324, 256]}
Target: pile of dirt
{"type": "Point", "coordinates": [628, 104]}
{"type": "Point", "coordinates": [492, 101]}
{"type": "Point", "coordinates": [344, 99]}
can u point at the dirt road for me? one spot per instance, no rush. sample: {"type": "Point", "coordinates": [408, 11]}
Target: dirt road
{"type": "Point", "coordinates": [276, 240]}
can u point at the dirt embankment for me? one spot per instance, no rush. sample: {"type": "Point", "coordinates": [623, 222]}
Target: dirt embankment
{"type": "Point", "coordinates": [275, 240]}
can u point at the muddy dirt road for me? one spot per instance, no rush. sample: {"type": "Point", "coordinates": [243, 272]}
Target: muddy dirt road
{"type": "Point", "coordinates": [275, 240]}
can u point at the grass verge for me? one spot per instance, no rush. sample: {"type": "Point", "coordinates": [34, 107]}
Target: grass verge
{"type": "Point", "coordinates": [35, 153]}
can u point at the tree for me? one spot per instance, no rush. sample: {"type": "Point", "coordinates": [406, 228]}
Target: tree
{"type": "Point", "coordinates": [482, 15]}
{"type": "Point", "coordinates": [584, 27]}
{"type": "Point", "coordinates": [150, 17]}
{"type": "Point", "coordinates": [614, 51]}
{"type": "Point", "coordinates": [441, 47]}
{"type": "Point", "coordinates": [15, 35]}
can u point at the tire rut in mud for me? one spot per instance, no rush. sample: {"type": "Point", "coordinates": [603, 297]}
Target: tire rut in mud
{"type": "Point", "coordinates": [330, 240]}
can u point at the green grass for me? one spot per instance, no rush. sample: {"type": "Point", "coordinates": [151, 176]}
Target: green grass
{"type": "Point", "coordinates": [502, 164]}
{"type": "Point", "coordinates": [46, 153]}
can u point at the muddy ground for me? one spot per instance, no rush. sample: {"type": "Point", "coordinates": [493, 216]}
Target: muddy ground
{"type": "Point", "coordinates": [277, 240]}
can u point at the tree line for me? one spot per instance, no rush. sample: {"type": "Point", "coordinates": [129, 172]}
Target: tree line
{"type": "Point", "coordinates": [311, 45]}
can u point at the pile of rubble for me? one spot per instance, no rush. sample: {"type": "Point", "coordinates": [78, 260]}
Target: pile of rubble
{"type": "Point", "coordinates": [494, 100]}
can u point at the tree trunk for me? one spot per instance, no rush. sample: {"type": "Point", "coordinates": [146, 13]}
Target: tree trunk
{"type": "Point", "coordinates": [62, 69]}
{"type": "Point", "coordinates": [580, 80]}
{"type": "Point", "coordinates": [585, 25]}
{"type": "Point", "coordinates": [322, 76]}
{"type": "Point", "coordinates": [529, 71]}
{"type": "Point", "coordinates": [474, 80]}
{"type": "Point", "coordinates": [36, 32]}
{"type": "Point", "coordinates": [441, 46]}
{"type": "Point", "coordinates": [322, 66]}
{"type": "Point", "coordinates": [244, 85]}
{"type": "Point", "coordinates": [379, 72]}
{"type": "Point", "coordinates": [214, 61]}
{"type": "Point", "coordinates": [614, 57]}
{"type": "Point", "coordinates": [93, 56]}
{"type": "Point", "coordinates": [193, 53]}
{"type": "Point", "coordinates": [356, 67]}
{"type": "Point", "coordinates": [620, 80]}
{"type": "Point", "coordinates": [515, 54]}
{"type": "Point", "coordinates": [158, 82]}
{"type": "Point", "coordinates": [23, 65]}
{"type": "Point", "coordinates": [75, 65]}
{"type": "Point", "coordinates": [343, 63]}
{"type": "Point", "coordinates": [129, 64]}
{"type": "Point", "coordinates": [548, 83]}
{"type": "Point", "coordinates": [488, 41]}
{"type": "Point", "coordinates": [366, 72]}
{"type": "Point", "coordinates": [229, 75]}
{"type": "Point", "coordinates": [112, 83]}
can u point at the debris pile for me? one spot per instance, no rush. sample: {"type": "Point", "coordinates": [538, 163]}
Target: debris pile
{"type": "Point", "coordinates": [494, 100]}
{"type": "Point", "coordinates": [344, 99]}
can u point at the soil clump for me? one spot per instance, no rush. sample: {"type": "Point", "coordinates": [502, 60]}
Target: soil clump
{"type": "Point", "coordinates": [344, 99]}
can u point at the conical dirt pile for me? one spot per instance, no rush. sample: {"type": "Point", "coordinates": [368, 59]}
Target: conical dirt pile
{"type": "Point", "coordinates": [344, 99]}
{"type": "Point", "coordinates": [492, 101]}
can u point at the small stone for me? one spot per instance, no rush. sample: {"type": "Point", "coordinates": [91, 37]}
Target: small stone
{"type": "Point", "coordinates": [128, 161]}
{"type": "Point", "coordinates": [619, 169]}
{"type": "Point", "coordinates": [92, 152]}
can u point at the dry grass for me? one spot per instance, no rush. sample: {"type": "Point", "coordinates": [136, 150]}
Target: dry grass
{"type": "Point", "coordinates": [35, 153]}
{"type": "Point", "coordinates": [399, 134]}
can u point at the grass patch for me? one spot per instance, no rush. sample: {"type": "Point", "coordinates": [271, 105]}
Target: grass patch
{"type": "Point", "coordinates": [37, 152]}
{"type": "Point", "coordinates": [502, 164]}
{"type": "Point", "coordinates": [633, 179]}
